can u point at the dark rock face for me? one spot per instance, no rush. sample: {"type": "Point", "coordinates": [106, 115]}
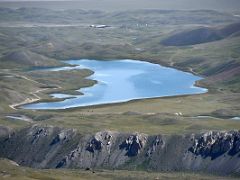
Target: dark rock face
{"type": "Point", "coordinates": [235, 148]}
{"type": "Point", "coordinates": [94, 151]}
{"type": "Point", "coordinates": [62, 163]}
{"type": "Point", "coordinates": [38, 146]}
{"type": "Point", "coordinates": [94, 145]}
{"type": "Point", "coordinates": [61, 137]}
{"type": "Point", "coordinates": [133, 144]}
{"type": "Point", "coordinates": [215, 144]}
{"type": "Point", "coordinates": [38, 134]}
{"type": "Point", "coordinates": [157, 142]}
{"type": "Point", "coordinates": [52, 147]}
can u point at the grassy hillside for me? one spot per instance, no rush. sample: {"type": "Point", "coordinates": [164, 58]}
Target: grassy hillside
{"type": "Point", "coordinates": [201, 35]}
{"type": "Point", "coordinates": [26, 59]}
{"type": "Point", "coordinates": [10, 171]}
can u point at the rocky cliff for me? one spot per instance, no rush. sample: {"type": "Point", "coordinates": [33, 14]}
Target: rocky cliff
{"type": "Point", "coordinates": [53, 147]}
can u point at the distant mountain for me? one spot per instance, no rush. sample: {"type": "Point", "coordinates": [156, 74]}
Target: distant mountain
{"type": "Point", "coordinates": [113, 5]}
{"type": "Point", "coordinates": [202, 35]}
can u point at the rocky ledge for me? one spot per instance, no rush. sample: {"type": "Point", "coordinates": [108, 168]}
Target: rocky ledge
{"type": "Point", "coordinates": [52, 147]}
{"type": "Point", "coordinates": [215, 144]}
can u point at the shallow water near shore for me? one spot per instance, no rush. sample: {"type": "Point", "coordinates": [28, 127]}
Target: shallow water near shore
{"type": "Point", "coordinates": [121, 81]}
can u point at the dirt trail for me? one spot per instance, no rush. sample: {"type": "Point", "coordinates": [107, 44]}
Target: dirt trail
{"type": "Point", "coordinates": [20, 117]}
{"type": "Point", "coordinates": [30, 100]}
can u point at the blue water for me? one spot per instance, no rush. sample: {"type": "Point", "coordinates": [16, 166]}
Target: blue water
{"type": "Point", "coordinates": [123, 80]}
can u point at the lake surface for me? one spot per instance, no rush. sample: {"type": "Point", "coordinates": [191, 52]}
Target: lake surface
{"type": "Point", "coordinates": [121, 81]}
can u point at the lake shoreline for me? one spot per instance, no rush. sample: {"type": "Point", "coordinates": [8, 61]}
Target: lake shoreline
{"type": "Point", "coordinates": [130, 68]}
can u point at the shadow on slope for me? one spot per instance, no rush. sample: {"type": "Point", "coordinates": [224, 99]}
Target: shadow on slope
{"type": "Point", "coordinates": [202, 35]}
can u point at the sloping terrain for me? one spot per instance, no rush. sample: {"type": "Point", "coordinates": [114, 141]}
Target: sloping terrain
{"type": "Point", "coordinates": [52, 147]}
{"type": "Point", "coordinates": [26, 59]}
{"type": "Point", "coordinates": [201, 35]}
{"type": "Point", "coordinates": [11, 170]}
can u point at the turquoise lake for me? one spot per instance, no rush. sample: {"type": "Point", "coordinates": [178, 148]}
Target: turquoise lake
{"type": "Point", "coordinates": [121, 81]}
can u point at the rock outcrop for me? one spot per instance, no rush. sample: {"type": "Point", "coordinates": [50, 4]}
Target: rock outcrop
{"type": "Point", "coordinates": [157, 142]}
{"type": "Point", "coordinates": [133, 144]}
{"type": "Point", "coordinates": [51, 147]}
{"type": "Point", "coordinates": [215, 144]}
{"type": "Point", "coordinates": [5, 131]}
